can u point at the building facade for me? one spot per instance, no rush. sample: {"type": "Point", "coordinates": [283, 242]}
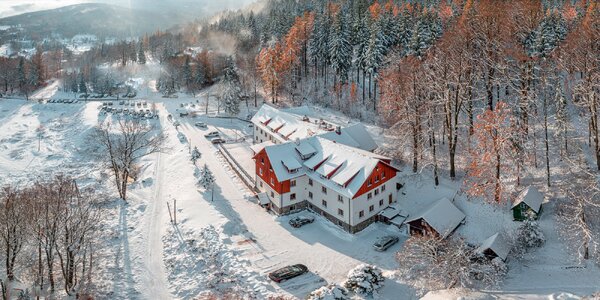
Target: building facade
{"type": "Point", "coordinates": [349, 186]}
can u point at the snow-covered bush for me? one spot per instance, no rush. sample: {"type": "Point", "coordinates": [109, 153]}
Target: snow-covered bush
{"type": "Point", "coordinates": [435, 263]}
{"type": "Point", "coordinates": [364, 279]}
{"type": "Point", "coordinates": [329, 292]}
{"type": "Point", "coordinates": [526, 237]}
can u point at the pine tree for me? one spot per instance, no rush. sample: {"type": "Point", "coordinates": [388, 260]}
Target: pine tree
{"type": "Point", "coordinates": [231, 89]}
{"type": "Point", "coordinates": [207, 180]}
{"type": "Point", "coordinates": [141, 56]}
{"type": "Point", "coordinates": [196, 155]}
{"type": "Point", "coordinates": [340, 48]}
{"type": "Point", "coordinates": [82, 85]}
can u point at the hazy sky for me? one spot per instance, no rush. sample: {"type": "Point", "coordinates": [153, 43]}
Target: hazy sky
{"type": "Point", "coordinates": [15, 7]}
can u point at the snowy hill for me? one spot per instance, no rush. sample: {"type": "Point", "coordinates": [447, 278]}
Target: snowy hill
{"type": "Point", "coordinates": [92, 18]}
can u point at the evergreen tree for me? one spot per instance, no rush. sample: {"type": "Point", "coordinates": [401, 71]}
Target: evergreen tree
{"type": "Point", "coordinates": [231, 89]}
{"type": "Point", "coordinates": [187, 73]}
{"type": "Point", "coordinates": [141, 56]}
{"type": "Point", "coordinates": [340, 48]}
{"type": "Point", "coordinates": [196, 155]}
{"type": "Point", "coordinates": [82, 85]}
{"type": "Point", "coordinates": [207, 180]}
{"type": "Point", "coordinates": [21, 76]}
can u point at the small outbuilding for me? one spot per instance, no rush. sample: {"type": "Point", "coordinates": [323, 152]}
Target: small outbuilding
{"type": "Point", "coordinates": [441, 218]}
{"type": "Point", "coordinates": [494, 246]}
{"type": "Point", "coordinates": [527, 203]}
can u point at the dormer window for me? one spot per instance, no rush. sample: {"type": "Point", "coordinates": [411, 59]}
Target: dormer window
{"type": "Point", "coordinates": [369, 182]}
{"type": "Point", "coordinates": [377, 178]}
{"type": "Point", "coordinates": [383, 175]}
{"type": "Point", "coordinates": [262, 160]}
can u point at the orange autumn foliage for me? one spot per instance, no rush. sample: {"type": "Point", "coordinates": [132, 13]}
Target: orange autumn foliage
{"type": "Point", "coordinates": [494, 147]}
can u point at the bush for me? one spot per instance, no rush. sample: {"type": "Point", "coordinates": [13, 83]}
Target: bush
{"type": "Point", "coordinates": [329, 292]}
{"type": "Point", "coordinates": [527, 237]}
{"type": "Point", "coordinates": [364, 279]}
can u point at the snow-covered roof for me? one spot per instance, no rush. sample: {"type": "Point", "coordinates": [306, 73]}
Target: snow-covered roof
{"type": "Point", "coordinates": [393, 211]}
{"type": "Point", "coordinates": [305, 149]}
{"type": "Point", "coordinates": [258, 147]}
{"type": "Point", "coordinates": [497, 244]}
{"type": "Point", "coordinates": [292, 124]}
{"type": "Point", "coordinates": [532, 197]}
{"type": "Point", "coordinates": [443, 216]}
{"type": "Point", "coordinates": [263, 199]}
{"type": "Point", "coordinates": [355, 135]}
{"type": "Point", "coordinates": [336, 166]}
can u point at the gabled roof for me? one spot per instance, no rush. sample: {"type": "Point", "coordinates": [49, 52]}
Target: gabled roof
{"type": "Point", "coordinates": [355, 135]}
{"type": "Point", "coordinates": [305, 149]}
{"type": "Point", "coordinates": [531, 196]}
{"type": "Point", "coordinates": [292, 124]}
{"type": "Point", "coordinates": [336, 166]}
{"type": "Point", "coordinates": [443, 216]}
{"type": "Point", "coordinates": [497, 244]}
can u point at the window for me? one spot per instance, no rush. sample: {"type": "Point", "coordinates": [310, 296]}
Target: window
{"type": "Point", "coordinates": [369, 196]}
{"type": "Point", "coordinates": [272, 181]}
{"type": "Point", "coordinates": [260, 171]}
{"type": "Point", "coordinates": [340, 212]}
{"type": "Point", "coordinates": [292, 183]}
{"type": "Point", "coordinates": [377, 178]}
{"type": "Point", "coordinates": [383, 188]}
{"type": "Point", "coordinates": [261, 184]}
{"type": "Point", "coordinates": [272, 195]}
{"type": "Point", "coordinates": [271, 168]}
{"type": "Point", "coordinates": [376, 192]}
{"type": "Point", "coordinates": [324, 190]}
{"type": "Point", "coordinates": [310, 195]}
{"type": "Point", "coordinates": [361, 213]}
{"type": "Point", "coordinates": [371, 208]}
{"type": "Point", "coordinates": [324, 203]}
{"type": "Point", "coordinates": [310, 182]}
{"type": "Point", "coordinates": [262, 160]}
{"type": "Point", "coordinates": [382, 174]}
{"type": "Point", "coordinates": [380, 202]}
{"type": "Point", "coordinates": [293, 197]}
{"type": "Point", "coordinates": [340, 198]}
{"type": "Point", "coordinates": [390, 199]}
{"type": "Point", "coordinates": [370, 182]}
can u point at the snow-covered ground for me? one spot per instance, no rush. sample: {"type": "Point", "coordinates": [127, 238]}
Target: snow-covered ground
{"type": "Point", "coordinates": [224, 241]}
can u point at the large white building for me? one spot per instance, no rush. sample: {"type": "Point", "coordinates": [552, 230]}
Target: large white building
{"type": "Point", "coordinates": [346, 184]}
{"type": "Point", "coordinates": [272, 125]}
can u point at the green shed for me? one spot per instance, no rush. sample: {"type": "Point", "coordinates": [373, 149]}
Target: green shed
{"type": "Point", "coordinates": [527, 203]}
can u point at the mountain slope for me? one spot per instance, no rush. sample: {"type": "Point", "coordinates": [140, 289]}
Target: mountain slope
{"type": "Point", "coordinates": [92, 18]}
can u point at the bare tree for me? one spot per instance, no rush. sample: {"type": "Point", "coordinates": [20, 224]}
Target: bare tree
{"type": "Point", "coordinates": [13, 226]}
{"type": "Point", "coordinates": [78, 219]}
{"type": "Point", "coordinates": [123, 145]}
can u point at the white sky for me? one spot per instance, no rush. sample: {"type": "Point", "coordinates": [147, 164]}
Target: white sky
{"type": "Point", "coordinates": [15, 7]}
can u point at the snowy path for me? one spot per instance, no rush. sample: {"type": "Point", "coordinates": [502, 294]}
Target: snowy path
{"type": "Point", "coordinates": [154, 284]}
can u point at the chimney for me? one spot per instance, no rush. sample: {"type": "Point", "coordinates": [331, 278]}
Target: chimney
{"type": "Point", "coordinates": [338, 130]}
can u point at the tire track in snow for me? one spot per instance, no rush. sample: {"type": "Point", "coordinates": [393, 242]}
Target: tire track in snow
{"type": "Point", "coordinates": [154, 282]}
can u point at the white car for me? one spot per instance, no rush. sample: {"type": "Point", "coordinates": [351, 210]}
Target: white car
{"type": "Point", "coordinates": [201, 125]}
{"type": "Point", "coordinates": [212, 134]}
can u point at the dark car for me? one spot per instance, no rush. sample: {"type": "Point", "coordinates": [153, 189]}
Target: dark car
{"type": "Point", "coordinates": [300, 221]}
{"type": "Point", "coordinates": [383, 243]}
{"type": "Point", "coordinates": [288, 272]}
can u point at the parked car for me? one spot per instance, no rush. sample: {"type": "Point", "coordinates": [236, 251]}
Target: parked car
{"type": "Point", "coordinates": [217, 140]}
{"type": "Point", "coordinates": [212, 134]}
{"type": "Point", "coordinates": [201, 125]}
{"type": "Point", "coordinates": [384, 242]}
{"type": "Point", "coordinates": [184, 114]}
{"type": "Point", "coordinates": [288, 272]}
{"type": "Point", "coordinates": [300, 221]}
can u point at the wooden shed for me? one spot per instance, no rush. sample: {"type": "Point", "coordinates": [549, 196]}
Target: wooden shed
{"type": "Point", "coordinates": [527, 203]}
{"type": "Point", "coordinates": [441, 218]}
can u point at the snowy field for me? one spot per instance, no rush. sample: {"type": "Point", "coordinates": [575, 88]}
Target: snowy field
{"type": "Point", "coordinates": [222, 239]}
